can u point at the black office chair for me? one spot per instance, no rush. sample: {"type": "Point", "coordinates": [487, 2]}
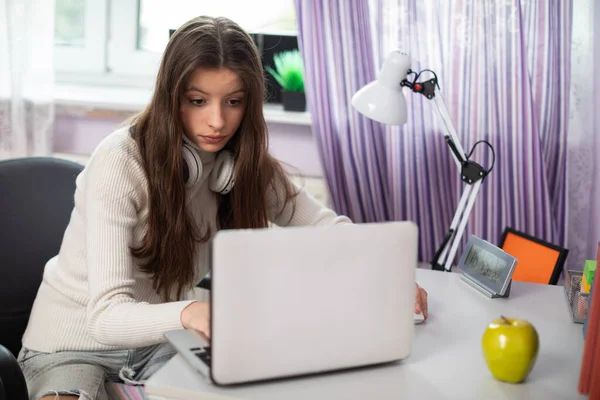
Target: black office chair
{"type": "Point", "coordinates": [36, 201]}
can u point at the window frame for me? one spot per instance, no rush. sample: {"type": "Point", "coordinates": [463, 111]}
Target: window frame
{"type": "Point", "coordinates": [124, 58]}
{"type": "Point", "coordinates": [91, 58]}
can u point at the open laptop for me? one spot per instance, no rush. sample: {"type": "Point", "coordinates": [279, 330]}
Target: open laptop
{"type": "Point", "coordinates": [303, 300]}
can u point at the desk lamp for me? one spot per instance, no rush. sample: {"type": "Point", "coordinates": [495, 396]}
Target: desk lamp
{"type": "Point", "coordinates": [383, 101]}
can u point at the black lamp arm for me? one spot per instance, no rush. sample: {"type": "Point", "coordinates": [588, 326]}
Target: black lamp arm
{"type": "Point", "coordinates": [454, 150]}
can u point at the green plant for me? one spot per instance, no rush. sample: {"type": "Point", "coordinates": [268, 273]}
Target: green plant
{"type": "Point", "coordinates": [289, 70]}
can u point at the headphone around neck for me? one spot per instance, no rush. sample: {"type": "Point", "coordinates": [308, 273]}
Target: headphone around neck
{"type": "Point", "coordinates": [221, 178]}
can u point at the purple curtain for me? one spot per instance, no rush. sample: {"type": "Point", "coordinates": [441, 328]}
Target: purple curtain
{"type": "Point", "coordinates": [503, 69]}
{"type": "Point", "coordinates": [337, 46]}
{"type": "Point", "coordinates": [584, 134]}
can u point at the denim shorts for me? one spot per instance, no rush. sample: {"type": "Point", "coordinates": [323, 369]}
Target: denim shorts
{"type": "Point", "coordinates": [85, 374]}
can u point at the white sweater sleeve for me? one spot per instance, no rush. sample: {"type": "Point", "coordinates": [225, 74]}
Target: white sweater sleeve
{"type": "Point", "coordinates": [303, 210]}
{"type": "Point", "coordinates": [115, 186]}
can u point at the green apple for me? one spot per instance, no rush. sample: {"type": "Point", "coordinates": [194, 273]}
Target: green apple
{"type": "Point", "coordinates": [510, 347]}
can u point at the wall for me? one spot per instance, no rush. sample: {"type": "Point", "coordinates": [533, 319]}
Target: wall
{"type": "Point", "coordinates": [78, 131]}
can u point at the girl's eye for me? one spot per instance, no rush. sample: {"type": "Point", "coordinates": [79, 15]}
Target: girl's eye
{"type": "Point", "coordinates": [197, 102]}
{"type": "Point", "coordinates": [234, 102]}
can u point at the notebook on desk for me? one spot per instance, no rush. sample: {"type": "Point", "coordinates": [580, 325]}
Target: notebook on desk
{"type": "Point", "coordinates": [303, 300]}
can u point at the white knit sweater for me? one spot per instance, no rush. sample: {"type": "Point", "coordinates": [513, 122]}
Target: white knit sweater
{"type": "Point", "coordinates": [93, 295]}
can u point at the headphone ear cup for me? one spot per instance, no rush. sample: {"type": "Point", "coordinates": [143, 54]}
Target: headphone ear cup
{"type": "Point", "coordinates": [222, 176]}
{"type": "Point", "coordinates": [192, 164]}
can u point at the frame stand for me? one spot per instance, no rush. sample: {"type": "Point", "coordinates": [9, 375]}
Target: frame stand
{"type": "Point", "coordinates": [473, 283]}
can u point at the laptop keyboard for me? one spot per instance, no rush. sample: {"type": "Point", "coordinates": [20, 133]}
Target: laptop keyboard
{"type": "Point", "coordinates": [203, 353]}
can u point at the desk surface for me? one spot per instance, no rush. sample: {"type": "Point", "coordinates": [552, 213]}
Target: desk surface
{"type": "Point", "coordinates": [446, 362]}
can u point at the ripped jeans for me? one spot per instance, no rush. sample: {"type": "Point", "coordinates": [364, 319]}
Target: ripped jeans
{"type": "Point", "coordinates": [85, 374]}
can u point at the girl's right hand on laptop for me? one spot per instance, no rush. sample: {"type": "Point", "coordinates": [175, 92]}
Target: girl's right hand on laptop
{"type": "Point", "coordinates": [196, 316]}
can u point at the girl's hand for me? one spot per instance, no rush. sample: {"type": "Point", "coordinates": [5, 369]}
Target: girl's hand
{"type": "Point", "coordinates": [421, 301]}
{"type": "Point", "coordinates": [196, 316]}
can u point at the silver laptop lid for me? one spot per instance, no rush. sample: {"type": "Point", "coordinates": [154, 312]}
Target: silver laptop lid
{"type": "Point", "coordinates": [310, 299]}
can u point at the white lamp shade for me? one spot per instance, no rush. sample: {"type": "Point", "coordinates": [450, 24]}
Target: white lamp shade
{"type": "Point", "coordinates": [382, 100]}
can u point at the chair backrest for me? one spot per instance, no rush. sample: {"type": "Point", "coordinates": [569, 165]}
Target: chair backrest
{"type": "Point", "coordinates": [537, 260]}
{"type": "Point", "coordinates": [36, 201]}
{"type": "Point", "coordinates": [12, 381]}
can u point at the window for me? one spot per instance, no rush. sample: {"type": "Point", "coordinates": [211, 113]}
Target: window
{"type": "Point", "coordinates": [124, 39]}
{"type": "Point", "coordinates": [157, 17]}
{"type": "Point", "coordinates": [80, 36]}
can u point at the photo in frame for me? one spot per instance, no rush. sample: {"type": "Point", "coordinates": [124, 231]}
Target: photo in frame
{"type": "Point", "coordinates": [487, 267]}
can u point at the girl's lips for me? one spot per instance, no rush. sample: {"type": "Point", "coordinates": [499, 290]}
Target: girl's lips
{"type": "Point", "coordinates": [213, 139]}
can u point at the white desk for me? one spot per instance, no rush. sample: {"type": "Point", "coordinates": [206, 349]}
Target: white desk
{"type": "Point", "coordinates": [446, 362]}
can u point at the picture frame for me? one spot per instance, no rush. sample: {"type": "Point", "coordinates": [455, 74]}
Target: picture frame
{"type": "Point", "coordinates": [487, 267]}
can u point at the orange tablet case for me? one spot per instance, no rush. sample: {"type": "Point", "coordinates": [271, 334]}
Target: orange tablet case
{"type": "Point", "coordinates": [537, 260]}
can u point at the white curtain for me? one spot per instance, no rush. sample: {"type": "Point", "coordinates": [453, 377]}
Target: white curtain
{"type": "Point", "coordinates": [584, 134]}
{"type": "Point", "coordinates": [26, 77]}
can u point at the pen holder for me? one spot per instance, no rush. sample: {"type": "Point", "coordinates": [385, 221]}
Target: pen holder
{"type": "Point", "coordinates": [578, 302]}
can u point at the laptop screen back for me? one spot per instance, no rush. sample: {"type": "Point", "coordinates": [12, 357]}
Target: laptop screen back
{"type": "Point", "coordinates": [309, 299]}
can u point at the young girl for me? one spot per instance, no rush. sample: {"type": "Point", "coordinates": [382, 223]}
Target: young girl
{"type": "Point", "coordinates": [194, 161]}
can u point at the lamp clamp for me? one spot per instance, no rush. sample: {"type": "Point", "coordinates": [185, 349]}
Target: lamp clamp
{"type": "Point", "coordinates": [426, 88]}
{"type": "Point", "coordinates": [471, 172]}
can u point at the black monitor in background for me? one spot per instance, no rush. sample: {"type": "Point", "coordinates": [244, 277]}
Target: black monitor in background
{"type": "Point", "coordinates": [269, 45]}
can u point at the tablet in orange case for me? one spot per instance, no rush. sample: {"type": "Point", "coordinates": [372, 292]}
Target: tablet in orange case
{"type": "Point", "coordinates": [537, 261]}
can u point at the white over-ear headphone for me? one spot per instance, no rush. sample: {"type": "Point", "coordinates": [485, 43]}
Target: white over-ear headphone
{"type": "Point", "coordinates": [221, 178]}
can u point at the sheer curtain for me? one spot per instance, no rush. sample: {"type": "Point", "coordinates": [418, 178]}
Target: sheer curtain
{"type": "Point", "coordinates": [26, 77]}
{"type": "Point", "coordinates": [584, 134]}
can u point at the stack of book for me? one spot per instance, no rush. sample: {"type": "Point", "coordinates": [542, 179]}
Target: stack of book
{"type": "Point", "coordinates": [589, 379]}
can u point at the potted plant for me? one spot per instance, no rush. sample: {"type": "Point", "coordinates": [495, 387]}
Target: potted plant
{"type": "Point", "coordinates": [289, 73]}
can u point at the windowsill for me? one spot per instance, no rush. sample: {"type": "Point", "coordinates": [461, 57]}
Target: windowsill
{"type": "Point", "coordinates": [121, 101]}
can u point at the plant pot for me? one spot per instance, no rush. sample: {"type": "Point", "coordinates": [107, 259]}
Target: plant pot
{"type": "Point", "coordinates": [293, 101]}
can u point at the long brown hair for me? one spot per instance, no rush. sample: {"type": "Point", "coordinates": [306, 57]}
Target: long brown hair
{"type": "Point", "coordinates": [168, 246]}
